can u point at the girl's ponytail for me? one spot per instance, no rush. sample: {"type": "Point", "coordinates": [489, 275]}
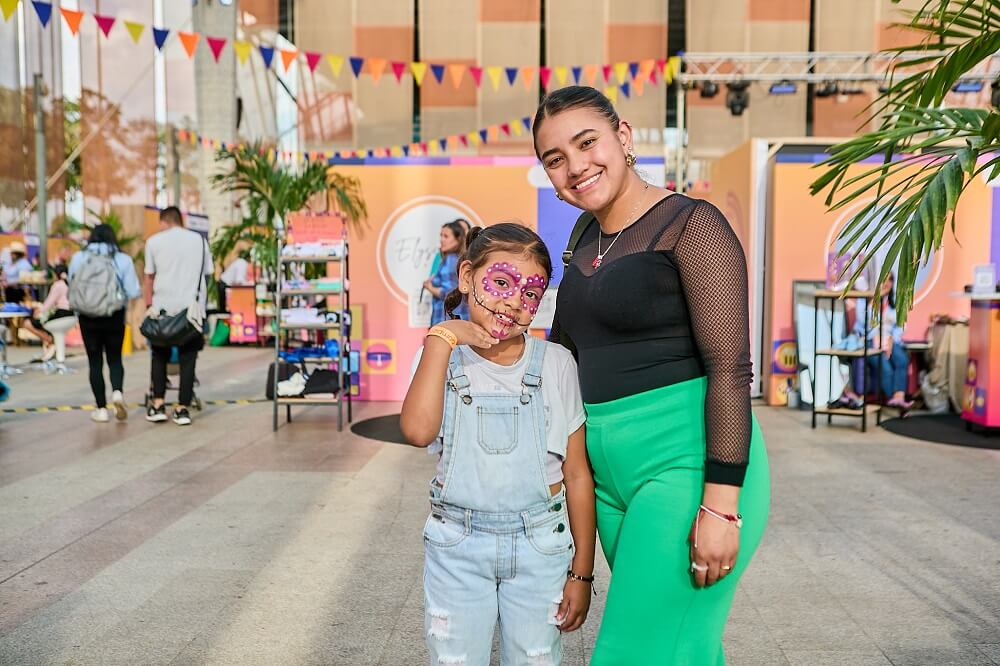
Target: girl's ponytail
{"type": "Point", "coordinates": [452, 301]}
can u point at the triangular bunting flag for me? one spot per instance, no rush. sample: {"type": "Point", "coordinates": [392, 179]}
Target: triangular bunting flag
{"type": "Point", "coordinates": [646, 65]}
{"type": "Point", "coordinates": [456, 71]}
{"type": "Point", "coordinates": [639, 85]}
{"type": "Point", "coordinates": [483, 135]}
{"type": "Point", "coordinates": [375, 67]}
{"type": "Point", "coordinates": [42, 9]}
{"type": "Point", "coordinates": [493, 132]}
{"type": "Point", "coordinates": [312, 59]}
{"type": "Point", "coordinates": [336, 63]}
{"type": "Point", "coordinates": [242, 50]}
{"type": "Point", "coordinates": [653, 74]}
{"type": "Point", "coordinates": [506, 128]}
{"type": "Point", "coordinates": [527, 76]}
{"type": "Point", "coordinates": [515, 127]}
{"type": "Point", "coordinates": [526, 121]}
{"type": "Point", "coordinates": [511, 74]}
{"type": "Point", "coordinates": [561, 73]}
{"type": "Point", "coordinates": [495, 73]}
{"type": "Point", "coordinates": [661, 63]}
{"type": "Point", "coordinates": [8, 7]}
{"type": "Point", "coordinates": [190, 41]}
{"type": "Point", "coordinates": [443, 143]}
{"type": "Point", "coordinates": [267, 55]}
{"type": "Point", "coordinates": [611, 93]}
{"type": "Point", "coordinates": [477, 74]}
{"type": "Point", "coordinates": [397, 69]}
{"type": "Point", "coordinates": [406, 150]}
{"type": "Point", "coordinates": [433, 148]}
{"type": "Point", "coordinates": [356, 65]}
{"type": "Point", "coordinates": [473, 138]}
{"type": "Point", "coordinates": [606, 70]}
{"type": "Point", "coordinates": [418, 69]}
{"type": "Point", "coordinates": [159, 37]}
{"type": "Point", "coordinates": [438, 72]}
{"type": "Point", "coordinates": [216, 44]}
{"type": "Point", "coordinates": [464, 140]}
{"type": "Point", "coordinates": [72, 19]}
{"type": "Point", "coordinates": [621, 68]}
{"type": "Point", "coordinates": [288, 56]}
{"type": "Point", "coordinates": [135, 30]}
{"type": "Point", "coordinates": [625, 89]}
{"type": "Point", "coordinates": [544, 74]}
{"type": "Point", "coordinates": [633, 69]}
{"type": "Point", "coordinates": [423, 147]}
{"type": "Point", "coordinates": [591, 71]}
{"type": "Point", "coordinates": [105, 23]}
{"type": "Point", "coordinates": [576, 75]}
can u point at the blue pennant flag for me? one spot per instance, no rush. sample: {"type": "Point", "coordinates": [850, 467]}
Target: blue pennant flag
{"type": "Point", "coordinates": [576, 75]}
{"type": "Point", "coordinates": [44, 11]}
{"type": "Point", "coordinates": [356, 65]}
{"type": "Point", "coordinates": [482, 135]}
{"type": "Point", "coordinates": [406, 150]}
{"type": "Point", "coordinates": [527, 122]}
{"type": "Point", "coordinates": [511, 74]}
{"type": "Point", "coordinates": [625, 89]}
{"type": "Point", "coordinates": [443, 143]}
{"type": "Point", "coordinates": [159, 37]}
{"type": "Point", "coordinates": [438, 72]}
{"type": "Point", "coordinates": [267, 55]}
{"type": "Point", "coordinates": [633, 68]}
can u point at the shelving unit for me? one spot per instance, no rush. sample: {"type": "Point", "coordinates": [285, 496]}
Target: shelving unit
{"type": "Point", "coordinates": [341, 328]}
{"type": "Point", "coordinates": [867, 408]}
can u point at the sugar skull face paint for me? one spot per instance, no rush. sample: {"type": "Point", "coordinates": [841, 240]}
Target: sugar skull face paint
{"type": "Point", "coordinates": [509, 300]}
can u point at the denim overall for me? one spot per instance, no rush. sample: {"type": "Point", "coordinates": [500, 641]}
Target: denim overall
{"type": "Point", "coordinates": [497, 545]}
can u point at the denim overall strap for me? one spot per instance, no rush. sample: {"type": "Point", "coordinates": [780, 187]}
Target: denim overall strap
{"type": "Point", "coordinates": [457, 381]}
{"type": "Point", "coordinates": [532, 380]}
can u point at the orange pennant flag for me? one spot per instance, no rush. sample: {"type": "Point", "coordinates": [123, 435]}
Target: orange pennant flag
{"type": "Point", "coordinates": [418, 69]}
{"type": "Point", "coordinates": [375, 67]}
{"type": "Point", "coordinates": [646, 66]}
{"type": "Point", "coordinates": [135, 30]}
{"type": "Point", "coordinates": [495, 72]}
{"type": "Point", "coordinates": [527, 75]}
{"type": "Point", "coordinates": [72, 19]}
{"type": "Point", "coordinates": [190, 41]}
{"type": "Point", "coordinates": [493, 133]}
{"type": "Point", "coordinates": [242, 50]}
{"type": "Point", "coordinates": [591, 72]}
{"type": "Point", "coordinates": [336, 63]}
{"type": "Point", "coordinates": [288, 56]}
{"type": "Point", "coordinates": [456, 71]}
{"type": "Point", "coordinates": [638, 85]}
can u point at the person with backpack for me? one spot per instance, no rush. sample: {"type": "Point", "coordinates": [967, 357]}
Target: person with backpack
{"type": "Point", "coordinates": [102, 281]}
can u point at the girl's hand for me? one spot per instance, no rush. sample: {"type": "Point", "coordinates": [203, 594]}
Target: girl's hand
{"type": "Point", "coordinates": [575, 605]}
{"type": "Point", "coordinates": [470, 334]}
{"type": "Point", "coordinates": [714, 556]}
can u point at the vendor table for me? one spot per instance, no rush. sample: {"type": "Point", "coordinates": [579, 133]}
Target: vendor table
{"type": "Point", "coordinates": [981, 398]}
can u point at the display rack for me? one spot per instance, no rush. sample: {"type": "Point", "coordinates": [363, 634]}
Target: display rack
{"type": "Point", "coordinates": [864, 353]}
{"type": "Point", "coordinates": [284, 297]}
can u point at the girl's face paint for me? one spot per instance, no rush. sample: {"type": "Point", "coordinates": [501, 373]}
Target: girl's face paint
{"type": "Point", "coordinates": [506, 295]}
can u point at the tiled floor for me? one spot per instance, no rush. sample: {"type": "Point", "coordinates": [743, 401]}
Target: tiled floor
{"type": "Point", "coordinates": [225, 543]}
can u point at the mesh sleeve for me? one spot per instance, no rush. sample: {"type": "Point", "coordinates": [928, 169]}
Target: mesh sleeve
{"type": "Point", "coordinates": [714, 277]}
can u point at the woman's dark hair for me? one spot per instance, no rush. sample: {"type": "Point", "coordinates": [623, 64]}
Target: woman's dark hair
{"type": "Point", "coordinates": [459, 231]}
{"type": "Point", "coordinates": [103, 233]}
{"type": "Point", "coordinates": [504, 237]}
{"type": "Point", "coordinates": [573, 97]}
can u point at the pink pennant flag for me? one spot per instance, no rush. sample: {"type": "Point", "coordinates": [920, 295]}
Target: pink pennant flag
{"type": "Point", "coordinates": [606, 70]}
{"type": "Point", "coordinates": [506, 128]}
{"type": "Point", "coordinates": [477, 74]}
{"type": "Point", "coordinates": [216, 44]}
{"type": "Point", "coordinates": [312, 59]}
{"type": "Point", "coordinates": [397, 69]}
{"type": "Point", "coordinates": [544, 74]}
{"type": "Point", "coordinates": [105, 23]}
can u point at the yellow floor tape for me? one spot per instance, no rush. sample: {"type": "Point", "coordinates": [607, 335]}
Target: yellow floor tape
{"type": "Point", "coordinates": [90, 408]}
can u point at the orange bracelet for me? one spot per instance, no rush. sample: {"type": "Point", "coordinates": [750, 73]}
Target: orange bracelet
{"type": "Point", "coordinates": [444, 334]}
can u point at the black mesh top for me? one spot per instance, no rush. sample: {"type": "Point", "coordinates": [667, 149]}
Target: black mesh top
{"type": "Point", "coordinates": [668, 304]}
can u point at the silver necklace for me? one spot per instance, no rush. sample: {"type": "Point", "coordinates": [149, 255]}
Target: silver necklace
{"type": "Point", "coordinates": [599, 259]}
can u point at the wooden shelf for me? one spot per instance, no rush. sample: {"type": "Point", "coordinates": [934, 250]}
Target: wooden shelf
{"type": "Point", "coordinates": [856, 353]}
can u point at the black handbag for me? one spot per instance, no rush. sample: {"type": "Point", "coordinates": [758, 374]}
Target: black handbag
{"type": "Point", "coordinates": [174, 330]}
{"type": "Point", "coordinates": [321, 381]}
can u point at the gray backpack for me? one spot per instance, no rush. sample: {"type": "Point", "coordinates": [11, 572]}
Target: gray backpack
{"type": "Point", "coordinates": [95, 290]}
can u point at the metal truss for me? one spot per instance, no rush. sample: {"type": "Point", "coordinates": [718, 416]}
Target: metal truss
{"type": "Point", "coordinates": [810, 67]}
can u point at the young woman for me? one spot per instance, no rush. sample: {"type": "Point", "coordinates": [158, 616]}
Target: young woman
{"type": "Point", "coordinates": [56, 306]}
{"type": "Point", "coordinates": [445, 278]}
{"type": "Point", "coordinates": [893, 362]}
{"type": "Point", "coordinates": [654, 302]}
{"type": "Point", "coordinates": [511, 533]}
{"type": "Point", "coordinates": [103, 336]}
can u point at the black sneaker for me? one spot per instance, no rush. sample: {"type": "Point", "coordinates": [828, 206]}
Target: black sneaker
{"type": "Point", "coordinates": [181, 416]}
{"type": "Point", "coordinates": [156, 414]}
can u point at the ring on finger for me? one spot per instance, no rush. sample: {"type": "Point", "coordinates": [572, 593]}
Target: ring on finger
{"type": "Point", "coordinates": [727, 568]}
{"type": "Point", "coordinates": [696, 567]}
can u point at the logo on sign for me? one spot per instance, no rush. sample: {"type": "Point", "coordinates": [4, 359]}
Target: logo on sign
{"type": "Point", "coordinates": [379, 357]}
{"type": "Point", "coordinates": [410, 240]}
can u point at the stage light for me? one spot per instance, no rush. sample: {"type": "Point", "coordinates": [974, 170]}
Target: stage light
{"type": "Point", "coordinates": [709, 89]}
{"type": "Point", "coordinates": [783, 88]}
{"type": "Point", "coordinates": [827, 89]}
{"type": "Point", "coordinates": [968, 87]}
{"type": "Point", "coordinates": [852, 89]}
{"type": "Point", "coordinates": [737, 97]}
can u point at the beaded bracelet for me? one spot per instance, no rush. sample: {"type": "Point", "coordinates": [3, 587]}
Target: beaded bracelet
{"type": "Point", "coordinates": [585, 579]}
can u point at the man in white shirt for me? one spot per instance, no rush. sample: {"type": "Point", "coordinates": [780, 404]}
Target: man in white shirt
{"type": "Point", "coordinates": [177, 261]}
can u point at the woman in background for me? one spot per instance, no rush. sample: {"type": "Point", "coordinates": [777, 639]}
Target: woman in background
{"type": "Point", "coordinates": [892, 364]}
{"type": "Point", "coordinates": [56, 305]}
{"type": "Point", "coordinates": [444, 280]}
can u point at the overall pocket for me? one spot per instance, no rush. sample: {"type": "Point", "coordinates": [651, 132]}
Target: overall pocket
{"type": "Point", "coordinates": [498, 428]}
{"type": "Point", "coordinates": [552, 537]}
{"type": "Point", "coordinates": [442, 532]}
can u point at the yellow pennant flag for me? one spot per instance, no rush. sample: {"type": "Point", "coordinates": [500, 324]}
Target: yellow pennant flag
{"type": "Point", "coordinates": [336, 63]}
{"type": "Point", "coordinates": [396, 151]}
{"type": "Point", "coordinates": [621, 72]}
{"type": "Point", "coordinates": [515, 127]}
{"type": "Point", "coordinates": [418, 69]}
{"type": "Point", "coordinates": [8, 7]}
{"type": "Point", "coordinates": [674, 65]}
{"type": "Point", "coordinates": [135, 30]}
{"type": "Point", "coordinates": [473, 138]}
{"type": "Point", "coordinates": [495, 72]}
{"type": "Point", "coordinates": [242, 50]}
{"type": "Point", "coordinates": [611, 92]}
{"type": "Point", "coordinates": [561, 73]}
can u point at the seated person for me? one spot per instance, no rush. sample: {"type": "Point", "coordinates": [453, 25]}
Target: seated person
{"type": "Point", "coordinates": [893, 362]}
{"type": "Point", "coordinates": [15, 263]}
{"type": "Point", "coordinates": [54, 307]}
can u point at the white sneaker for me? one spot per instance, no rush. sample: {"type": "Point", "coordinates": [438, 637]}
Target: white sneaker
{"type": "Point", "coordinates": [48, 353]}
{"type": "Point", "coordinates": [100, 415]}
{"type": "Point", "coordinates": [118, 402]}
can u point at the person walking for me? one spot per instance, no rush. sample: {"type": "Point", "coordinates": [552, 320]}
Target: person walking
{"type": "Point", "coordinates": [654, 301]}
{"type": "Point", "coordinates": [102, 281]}
{"type": "Point", "coordinates": [177, 263]}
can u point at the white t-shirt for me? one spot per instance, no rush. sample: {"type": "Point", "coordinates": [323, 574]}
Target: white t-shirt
{"type": "Point", "coordinates": [236, 272]}
{"type": "Point", "coordinates": [175, 257]}
{"type": "Point", "coordinates": [564, 413]}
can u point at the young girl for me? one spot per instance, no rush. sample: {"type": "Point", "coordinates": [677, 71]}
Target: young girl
{"type": "Point", "coordinates": [511, 532]}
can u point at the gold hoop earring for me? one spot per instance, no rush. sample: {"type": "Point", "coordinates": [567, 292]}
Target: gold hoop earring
{"type": "Point", "coordinates": [630, 160]}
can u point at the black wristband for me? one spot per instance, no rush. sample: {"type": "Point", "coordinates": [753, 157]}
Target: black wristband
{"type": "Point", "coordinates": [585, 579]}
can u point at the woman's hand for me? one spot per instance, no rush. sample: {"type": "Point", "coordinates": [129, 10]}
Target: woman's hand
{"type": "Point", "coordinates": [714, 556]}
{"type": "Point", "coordinates": [470, 334]}
{"type": "Point", "coordinates": [575, 605]}
{"type": "Point", "coordinates": [429, 286]}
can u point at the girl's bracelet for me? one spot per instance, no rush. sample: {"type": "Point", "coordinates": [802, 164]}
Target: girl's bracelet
{"type": "Point", "coordinates": [444, 334]}
{"type": "Point", "coordinates": [584, 579]}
